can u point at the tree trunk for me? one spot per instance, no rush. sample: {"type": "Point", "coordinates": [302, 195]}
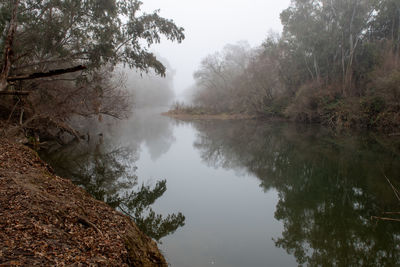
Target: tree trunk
{"type": "Point", "coordinates": [7, 55]}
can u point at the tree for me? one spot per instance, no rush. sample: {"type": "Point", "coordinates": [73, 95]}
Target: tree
{"type": "Point", "coordinates": [51, 37]}
{"type": "Point", "coordinates": [7, 44]}
{"type": "Point", "coordinates": [96, 33]}
{"type": "Point", "coordinates": [334, 63]}
{"type": "Point", "coordinates": [328, 34]}
{"type": "Point", "coordinates": [218, 78]}
{"type": "Point", "coordinates": [386, 24]}
{"type": "Point", "coordinates": [263, 75]}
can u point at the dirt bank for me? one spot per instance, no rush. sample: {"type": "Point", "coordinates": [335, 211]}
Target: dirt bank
{"type": "Point", "coordinates": [47, 221]}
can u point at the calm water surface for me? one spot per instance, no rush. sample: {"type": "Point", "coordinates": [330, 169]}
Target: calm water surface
{"type": "Point", "coordinates": [245, 193]}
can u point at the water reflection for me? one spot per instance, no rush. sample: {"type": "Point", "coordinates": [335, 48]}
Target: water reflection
{"type": "Point", "coordinates": [329, 187]}
{"type": "Point", "coordinates": [326, 188]}
{"type": "Point", "coordinates": [147, 127]}
{"type": "Point", "coordinates": [108, 172]}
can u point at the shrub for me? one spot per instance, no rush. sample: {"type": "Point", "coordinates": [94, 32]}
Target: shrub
{"type": "Point", "coordinates": [373, 105]}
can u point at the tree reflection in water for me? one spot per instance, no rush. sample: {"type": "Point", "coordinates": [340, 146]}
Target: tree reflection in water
{"type": "Point", "coordinates": [328, 186]}
{"type": "Point", "coordinates": [108, 173]}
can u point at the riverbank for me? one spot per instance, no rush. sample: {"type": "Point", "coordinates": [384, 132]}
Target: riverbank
{"type": "Point", "coordinates": [355, 113]}
{"type": "Point", "coordinates": [45, 220]}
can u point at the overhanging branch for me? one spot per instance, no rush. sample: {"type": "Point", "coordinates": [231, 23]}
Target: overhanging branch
{"type": "Point", "coordinates": [45, 74]}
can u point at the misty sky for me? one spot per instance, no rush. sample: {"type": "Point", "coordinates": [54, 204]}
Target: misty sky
{"type": "Point", "coordinates": [211, 24]}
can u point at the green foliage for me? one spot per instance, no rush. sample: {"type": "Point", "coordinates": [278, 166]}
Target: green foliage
{"type": "Point", "coordinates": [336, 62]}
{"type": "Point", "coordinates": [276, 108]}
{"type": "Point", "coordinates": [99, 34]}
{"type": "Point", "coordinates": [138, 203]}
{"type": "Point", "coordinates": [373, 105]}
{"type": "Point", "coordinates": [93, 32]}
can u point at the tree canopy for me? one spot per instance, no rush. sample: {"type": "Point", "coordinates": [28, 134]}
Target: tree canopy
{"type": "Point", "coordinates": [93, 33]}
{"type": "Point", "coordinates": [84, 41]}
{"type": "Point", "coordinates": [335, 62]}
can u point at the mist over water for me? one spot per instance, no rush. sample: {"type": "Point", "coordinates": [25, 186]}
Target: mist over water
{"type": "Point", "coordinates": [256, 194]}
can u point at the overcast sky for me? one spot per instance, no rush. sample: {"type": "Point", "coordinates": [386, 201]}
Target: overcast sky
{"type": "Point", "coordinates": [210, 25]}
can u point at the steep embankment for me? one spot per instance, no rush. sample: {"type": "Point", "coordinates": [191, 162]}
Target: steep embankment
{"type": "Point", "coordinates": [47, 221]}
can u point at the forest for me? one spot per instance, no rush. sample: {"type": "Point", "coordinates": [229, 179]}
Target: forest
{"type": "Point", "coordinates": [336, 62]}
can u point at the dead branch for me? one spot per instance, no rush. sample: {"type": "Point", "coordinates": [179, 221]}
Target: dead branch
{"type": "Point", "coordinates": [396, 192]}
{"type": "Point", "coordinates": [66, 128]}
{"type": "Point", "coordinates": [385, 219]}
{"type": "Point", "coordinates": [12, 111]}
{"type": "Point", "coordinates": [45, 74]}
{"type": "Point", "coordinates": [60, 125]}
{"type": "Point", "coordinates": [84, 221]}
{"type": "Point", "coordinates": [21, 116]}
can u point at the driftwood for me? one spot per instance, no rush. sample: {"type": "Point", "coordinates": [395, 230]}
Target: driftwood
{"type": "Point", "coordinates": [45, 74]}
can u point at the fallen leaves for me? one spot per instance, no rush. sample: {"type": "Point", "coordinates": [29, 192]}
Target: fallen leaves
{"type": "Point", "coordinates": [46, 220]}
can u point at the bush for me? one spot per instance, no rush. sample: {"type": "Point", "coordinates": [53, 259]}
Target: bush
{"type": "Point", "coordinates": [182, 108]}
{"type": "Point", "coordinates": [310, 102]}
{"type": "Point", "coordinates": [388, 86]}
{"type": "Point", "coordinates": [275, 108]}
{"type": "Point", "coordinates": [373, 105]}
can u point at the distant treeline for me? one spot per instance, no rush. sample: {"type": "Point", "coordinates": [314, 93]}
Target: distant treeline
{"type": "Point", "coordinates": [336, 62]}
{"type": "Point", "coordinates": [150, 90]}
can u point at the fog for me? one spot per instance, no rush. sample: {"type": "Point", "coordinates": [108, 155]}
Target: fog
{"type": "Point", "coordinates": [209, 26]}
{"type": "Point", "coordinates": [150, 90]}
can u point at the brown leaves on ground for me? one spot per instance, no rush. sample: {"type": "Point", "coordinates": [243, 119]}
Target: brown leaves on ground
{"type": "Point", "coordinates": [47, 221]}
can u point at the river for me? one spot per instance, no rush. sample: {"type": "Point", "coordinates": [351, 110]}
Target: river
{"type": "Point", "coordinates": [245, 193]}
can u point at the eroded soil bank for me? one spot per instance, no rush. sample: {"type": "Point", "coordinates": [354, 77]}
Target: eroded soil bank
{"type": "Point", "coordinates": [45, 220]}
